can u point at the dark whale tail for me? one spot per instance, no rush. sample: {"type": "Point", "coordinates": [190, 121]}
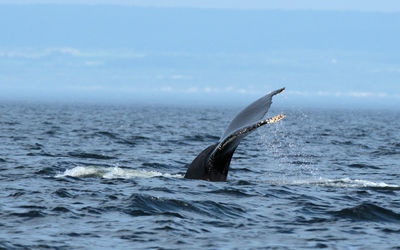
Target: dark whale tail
{"type": "Point", "coordinates": [213, 162]}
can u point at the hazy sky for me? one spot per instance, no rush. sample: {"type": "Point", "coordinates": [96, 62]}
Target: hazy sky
{"type": "Point", "coordinates": [326, 53]}
{"type": "Point", "coordinates": [341, 5]}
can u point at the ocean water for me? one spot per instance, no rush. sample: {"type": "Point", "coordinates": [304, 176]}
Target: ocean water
{"type": "Point", "coordinates": [109, 176]}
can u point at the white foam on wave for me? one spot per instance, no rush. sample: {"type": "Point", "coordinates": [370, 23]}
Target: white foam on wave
{"type": "Point", "coordinates": [112, 173]}
{"type": "Point", "coordinates": [345, 183]}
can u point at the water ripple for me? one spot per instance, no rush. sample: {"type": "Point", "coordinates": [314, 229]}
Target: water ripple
{"type": "Point", "coordinates": [84, 155]}
{"type": "Point", "coordinates": [368, 212]}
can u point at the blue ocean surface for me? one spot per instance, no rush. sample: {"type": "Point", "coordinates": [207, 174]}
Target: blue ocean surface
{"type": "Point", "coordinates": [111, 176]}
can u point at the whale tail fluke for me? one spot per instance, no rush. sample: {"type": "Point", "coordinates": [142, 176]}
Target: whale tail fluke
{"type": "Point", "coordinates": [213, 162]}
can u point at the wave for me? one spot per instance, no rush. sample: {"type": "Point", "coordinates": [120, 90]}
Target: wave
{"type": "Point", "coordinates": [144, 205]}
{"type": "Point", "coordinates": [90, 155]}
{"type": "Point", "coordinates": [29, 214]}
{"type": "Point", "coordinates": [347, 183]}
{"type": "Point", "coordinates": [112, 173]}
{"type": "Point", "coordinates": [360, 165]}
{"type": "Point", "coordinates": [131, 141]}
{"type": "Point", "coordinates": [368, 212]}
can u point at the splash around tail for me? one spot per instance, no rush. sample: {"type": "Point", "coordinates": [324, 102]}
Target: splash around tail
{"type": "Point", "coordinates": [112, 173]}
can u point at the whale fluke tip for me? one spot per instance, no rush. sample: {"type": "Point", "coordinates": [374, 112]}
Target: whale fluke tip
{"type": "Point", "coordinates": [276, 118]}
{"type": "Point", "coordinates": [277, 91]}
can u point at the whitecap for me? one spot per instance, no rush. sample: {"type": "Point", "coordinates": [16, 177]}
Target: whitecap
{"type": "Point", "coordinates": [346, 183]}
{"type": "Point", "coordinates": [80, 171]}
{"type": "Point", "coordinates": [112, 173]}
